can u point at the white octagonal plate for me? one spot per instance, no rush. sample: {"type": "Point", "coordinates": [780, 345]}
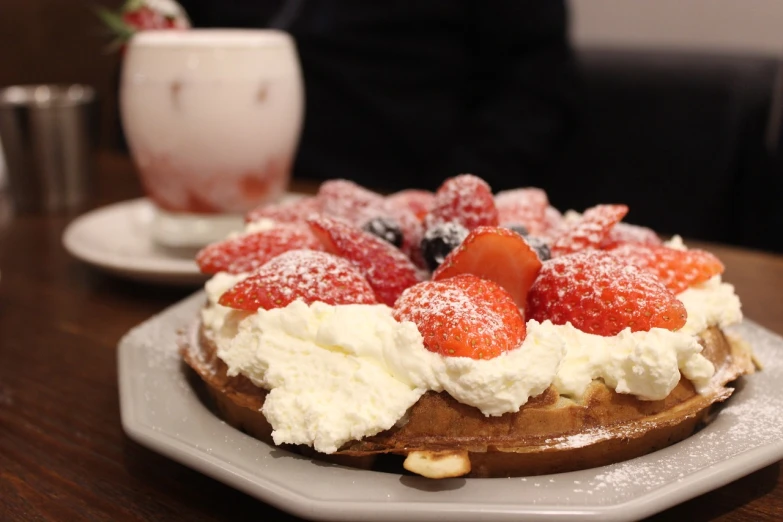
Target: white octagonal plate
{"type": "Point", "coordinates": [161, 410]}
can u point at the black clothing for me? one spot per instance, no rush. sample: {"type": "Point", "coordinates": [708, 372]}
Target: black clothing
{"type": "Point", "coordinates": [406, 93]}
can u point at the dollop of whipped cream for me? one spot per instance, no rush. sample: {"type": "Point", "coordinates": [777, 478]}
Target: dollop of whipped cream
{"type": "Point", "coordinates": [329, 381]}
{"type": "Point", "coordinates": [645, 364]}
{"type": "Point", "coordinates": [221, 321]}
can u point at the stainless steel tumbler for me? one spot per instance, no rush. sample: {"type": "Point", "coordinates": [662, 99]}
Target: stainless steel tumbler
{"type": "Point", "coordinates": [46, 133]}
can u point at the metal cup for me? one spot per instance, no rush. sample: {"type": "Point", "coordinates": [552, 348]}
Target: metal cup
{"type": "Point", "coordinates": [46, 134]}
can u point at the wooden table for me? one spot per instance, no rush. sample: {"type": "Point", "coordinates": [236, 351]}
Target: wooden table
{"type": "Point", "coordinates": [63, 454]}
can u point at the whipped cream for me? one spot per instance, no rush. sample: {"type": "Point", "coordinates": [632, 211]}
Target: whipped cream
{"type": "Point", "coordinates": [645, 364]}
{"type": "Point", "coordinates": [221, 321]}
{"type": "Point", "coordinates": [330, 381]}
{"type": "Point", "coordinates": [712, 303]}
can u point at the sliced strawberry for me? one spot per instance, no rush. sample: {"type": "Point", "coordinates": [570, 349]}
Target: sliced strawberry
{"type": "Point", "coordinates": [308, 275]}
{"type": "Point", "coordinates": [600, 294]}
{"type": "Point", "coordinates": [555, 224]}
{"type": "Point", "coordinates": [465, 199]}
{"type": "Point", "coordinates": [247, 252]}
{"type": "Point", "coordinates": [290, 212]}
{"type": "Point", "coordinates": [523, 206]}
{"type": "Point", "coordinates": [590, 230]}
{"type": "Point", "coordinates": [497, 254]}
{"type": "Point", "coordinates": [626, 233]}
{"type": "Point", "coordinates": [677, 269]}
{"type": "Point", "coordinates": [387, 269]}
{"type": "Point", "coordinates": [417, 201]}
{"type": "Point", "coordinates": [463, 316]}
{"type": "Point", "coordinates": [348, 201]}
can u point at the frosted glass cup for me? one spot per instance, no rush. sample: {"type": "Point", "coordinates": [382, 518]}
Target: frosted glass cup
{"type": "Point", "coordinates": [213, 119]}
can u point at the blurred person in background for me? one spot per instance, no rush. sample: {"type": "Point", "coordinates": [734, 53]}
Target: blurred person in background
{"type": "Point", "coordinates": [405, 94]}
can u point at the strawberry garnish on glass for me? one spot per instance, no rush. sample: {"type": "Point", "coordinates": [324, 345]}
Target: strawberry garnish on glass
{"type": "Point", "coordinates": [143, 15]}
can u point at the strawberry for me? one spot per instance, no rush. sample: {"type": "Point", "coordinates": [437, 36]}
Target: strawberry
{"type": "Point", "coordinates": [249, 251]}
{"type": "Point", "coordinates": [289, 212]}
{"type": "Point", "coordinates": [465, 199]}
{"type": "Point", "coordinates": [626, 233]}
{"type": "Point", "coordinates": [356, 205]}
{"type": "Point", "coordinates": [145, 18]}
{"type": "Point", "coordinates": [387, 269]}
{"type": "Point", "coordinates": [497, 254]}
{"type": "Point", "coordinates": [417, 201]}
{"type": "Point", "coordinates": [590, 230]}
{"type": "Point", "coordinates": [523, 206]}
{"type": "Point", "coordinates": [463, 316]}
{"type": "Point", "coordinates": [555, 224]}
{"type": "Point", "coordinates": [142, 15]}
{"type": "Point", "coordinates": [308, 275]}
{"type": "Point", "coordinates": [600, 294]}
{"type": "Point", "coordinates": [348, 201]}
{"type": "Point", "coordinates": [677, 269]}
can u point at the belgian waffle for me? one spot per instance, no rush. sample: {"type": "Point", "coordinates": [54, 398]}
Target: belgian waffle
{"type": "Point", "coordinates": [549, 434]}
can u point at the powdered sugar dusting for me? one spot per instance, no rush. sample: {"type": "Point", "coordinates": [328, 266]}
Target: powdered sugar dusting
{"type": "Point", "coordinates": [386, 268]}
{"type": "Point", "coordinates": [301, 274]}
{"type": "Point", "coordinates": [288, 212]}
{"type": "Point", "coordinates": [149, 358]}
{"type": "Point", "coordinates": [523, 206]}
{"type": "Point", "coordinates": [246, 252]}
{"type": "Point", "coordinates": [677, 269]}
{"type": "Point", "coordinates": [628, 233]}
{"type": "Point", "coordinates": [599, 294]}
{"type": "Point", "coordinates": [590, 230]}
{"type": "Point", "coordinates": [161, 337]}
{"type": "Point", "coordinates": [344, 199]}
{"type": "Point", "coordinates": [462, 309]}
{"type": "Point", "coordinates": [465, 199]}
{"type": "Point", "coordinates": [750, 420]}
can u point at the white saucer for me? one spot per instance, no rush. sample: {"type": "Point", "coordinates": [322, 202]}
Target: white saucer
{"type": "Point", "coordinates": [117, 238]}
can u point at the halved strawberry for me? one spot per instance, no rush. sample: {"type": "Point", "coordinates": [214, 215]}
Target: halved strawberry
{"type": "Point", "coordinates": [600, 294]}
{"type": "Point", "coordinates": [249, 251]}
{"type": "Point", "coordinates": [387, 269]}
{"type": "Point", "coordinates": [465, 199]}
{"type": "Point", "coordinates": [497, 254]}
{"type": "Point", "coordinates": [308, 275]}
{"type": "Point", "coordinates": [626, 233]}
{"type": "Point", "coordinates": [555, 225]}
{"type": "Point", "coordinates": [290, 212]}
{"type": "Point", "coordinates": [146, 18]}
{"type": "Point", "coordinates": [590, 230]}
{"type": "Point", "coordinates": [523, 206]}
{"type": "Point", "coordinates": [463, 316]}
{"type": "Point", "coordinates": [348, 201]}
{"type": "Point", "coordinates": [417, 201]}
{"type": "Point", "coordinates": [677, 269]}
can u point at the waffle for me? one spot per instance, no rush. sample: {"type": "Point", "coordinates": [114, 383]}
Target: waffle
{"type": "Point", "coordinates": [440, 437]}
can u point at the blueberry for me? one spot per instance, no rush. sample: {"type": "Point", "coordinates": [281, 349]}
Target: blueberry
{"type": "Point", "coordinates": [540, 246]}
{"type": "Point", "coordinates": [439, 240]}
{"type": "Point", "coordinates": [386, 229]}
{"type": "Point", "coordinates": [519, 229]}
